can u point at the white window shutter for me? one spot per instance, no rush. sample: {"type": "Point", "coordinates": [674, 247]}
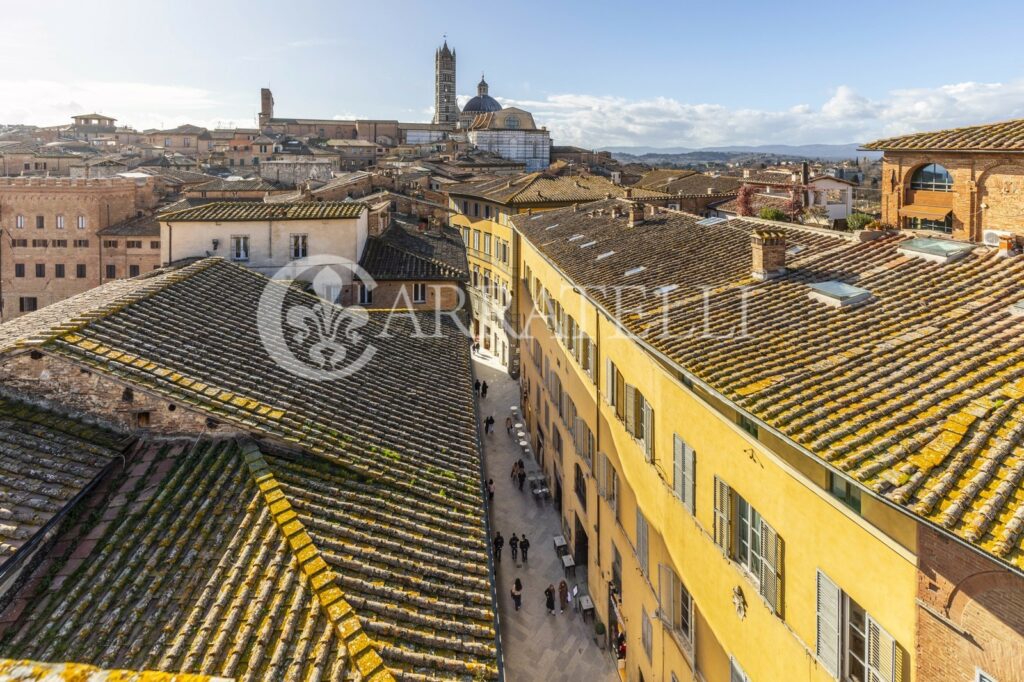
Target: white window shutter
{"type": "Point", "coordinates": [602, 475]}
{"type": "Point", "coordinates": [609, 381]}
{"type": "Point", "coordinates": [771, 567]}
{"type": "Point", "coordinates": [665, 593]}
{"type": "Point", "coordinates": [884, 661]}
{"type": "Point", "coordinates": [723, 514]}
{"type": "Point", "coordinates": [678, 464]}
{"type": "Point", "coordinates": [827, 647]}
{"type": "Point", "coordinates": [648, 416]}
{"type": "Point", "coordinates": [690, 479]}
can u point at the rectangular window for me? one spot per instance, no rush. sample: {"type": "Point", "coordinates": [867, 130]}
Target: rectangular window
{"type": "Point", "coordinates": [609, 382]}
{"type": "Point", "coordinates": [58, 270]}
{"type": "Point", "coordinates": [646, 632]}
{"type": "Point", "coordinates": [19, 222]}
{"type": "Point", "coordinates": [676, 604]}
{"type": "Point", "coordinates": [684, 460]}
{"type": "Point", "coordinates": [39, 243]}
{"type": "Point", "coordinates": [154, 245]}
{"type": "Point", "coordinates": [487, 244]}
{"type": "Point", "coordinates": [134, 244]}
{"type": "Point", "coordinates": [487, 212]}
{"type": "Point", "coordinates": [365, 295]}
{"type": "Point", "coordinates": [580, 485]}
{"type": "Point", "coordinates": [747, 424]}
{"type": "Point", "coordinates": [850, 644]}
{"type": "Point", "coordinates": [81, 243]}
{"type": "Point", "coordinates": [80, 270]}
{"type": "Point", "coordinates": [751, 542]}
{"type": "Point", "coordinates": [40, 222]}
{"type": "Point", "coordinates": [299, 244]}
{"type": "Point", "coordinates": [419, 293]}
{"type": "Point", "coordinates": [844, 491]}
{"type": "Point", "coordinates": [110, 243]}
{"type": "Point", "coordinates": [60, 243]}
{"type": "Point", "coordinates": [19, 242]}
{"type": "Point", "coordinates": [465, 236]}
{"type": "Point", "coordinates": [40, 269]}
{"type": "Point", "coordinates": [240, 247]}
{"type": "Point", "coordinates": [111, 272]}
{"type": "Point", "coordinates": [133, 270]}
{"type": "Point", "coordinates": [476, 240]}
{"type": "Point", "coordinates": [19, 269]}
{"type": "Point", "coordinates": [60, 222]}
{"type": "Point", "coordinates": [641, 540]}
{"type": "Point", "coordinates": [81, 222]}
{"type": "Point", "coordinates": [27, 304]}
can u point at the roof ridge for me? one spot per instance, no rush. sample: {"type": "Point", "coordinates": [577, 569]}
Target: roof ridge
{"type": "Point", "coordinates": [132, 297]}
{"type": "Point", "coordinates": [429, 259]}
{"type": "Point", "coordinates": [322, 578]}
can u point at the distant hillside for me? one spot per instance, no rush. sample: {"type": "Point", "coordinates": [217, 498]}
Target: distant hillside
{"type": "Point", "coordinates": [802, 151]}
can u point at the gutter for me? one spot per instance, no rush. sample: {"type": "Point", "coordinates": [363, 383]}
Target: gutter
{"type": "Point", "coordinates": [689, 376]}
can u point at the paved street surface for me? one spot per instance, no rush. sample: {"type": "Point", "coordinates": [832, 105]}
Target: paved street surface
{"type": "Point", "coordinates": [537, 646]}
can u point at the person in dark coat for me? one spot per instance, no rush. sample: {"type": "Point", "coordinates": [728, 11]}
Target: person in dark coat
{"type": "Point", "coordinates": [563, 596]}
{"type": "Point", "coordinates": [517, 593]}
{"type": "Point", "coordinates": [524, 546]}
{"type": "Point", "coordinates": [483, 390]}
{"type": "Point", "coordinates": [499, 542]}
{"type": "Point", "coordinates": [549, 599]}
{"type": "Point", "coordinates": [522, 477]}
{"type": "Point", "coordinates": [476, 387]}
{"type": "Point", "coordinates": [490, 492]}
{"type": "Point", "coordinates": [513, 544]}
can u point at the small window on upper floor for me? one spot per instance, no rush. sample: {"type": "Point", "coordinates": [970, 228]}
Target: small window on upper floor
{"type": "Point", "coordinates": [511, 122]}
{"type": "Point", "coordinates": [844, 491]}
{"type": "Point", "coordinates": [747, 424]}
{"type": "Point", "coordinates": [932, 177]}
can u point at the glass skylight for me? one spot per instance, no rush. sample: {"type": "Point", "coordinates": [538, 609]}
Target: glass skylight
{"type": "Point", "coordinates": [576, 237]}
{"type": "Point", "coordinates": [711, 221]}
{"type": "Point", "coordinates": [636, 271]}
{"type": "Point", "coordinates": [551, 227]}
{"type": "Point", "coordinates": [836, 293]}
{"type": "Point", "coordinates": [590, 243]}
{"type": "Point", "coordinates": [666, 289]}
{"type": "Point", "coordinates": [605, 255]}
{"type": "Point", "coordinates": [935, 249]}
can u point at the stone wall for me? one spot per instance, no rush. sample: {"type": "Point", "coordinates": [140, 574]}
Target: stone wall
{"type": "Point", "coordinates": [57, 383]}
{"type": "Point", "coordinates": [970, 614]}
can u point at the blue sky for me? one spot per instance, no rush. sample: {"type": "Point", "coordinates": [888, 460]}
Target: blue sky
{"type": "Point", "coordinates": [598, 73]}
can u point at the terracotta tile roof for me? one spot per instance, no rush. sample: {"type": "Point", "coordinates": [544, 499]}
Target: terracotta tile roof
{"type": "Point", "coordinates": [404, 253]}
{"type": "Point", "coordinates": [689, 184]}
{"type": "Point", "coordinates": [345, 454]}
{"type": "Point", "coordinates": [224, 185]}
{"type": "Point", "coordinates": [34, 671]}
{"type": "Point", "coordinates": [990, 137]}
{"type": "Point", "coordinates": [144, 226]}
{"type": "Point", "coordinates": [225, 211]}
{"type": "Point", "coordinates": [45, 461]}
{"type": "Point", "coordinates": [775, 178]}
{"type": "Point", "coordinates": [917, 393]}
{"type": "Point", "coordinates": [538, 189]}
{"type": "Point", "coordinates": [757, 202]}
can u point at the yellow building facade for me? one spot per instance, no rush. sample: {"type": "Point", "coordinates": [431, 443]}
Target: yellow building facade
{"type": "Point", "coordinates": [711, 543]}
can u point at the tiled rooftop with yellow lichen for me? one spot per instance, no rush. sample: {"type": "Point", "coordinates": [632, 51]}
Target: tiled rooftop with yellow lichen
{"type": "Point", "coordinates": [328, 531]}
{"type": "Point", "coordinates": [917, 393]}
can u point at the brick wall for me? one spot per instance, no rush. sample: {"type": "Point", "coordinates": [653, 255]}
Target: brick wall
{"type": "Point", "coordinates": [440, 296]}
{"type": "Point", "coordinates": [970, 614]}
{"type": "Point", "coordinates": [988, 190]}
{"type": "Point", "coordinates": [57, 383]}
{"type": "Point", "coordinates": [100, 202]}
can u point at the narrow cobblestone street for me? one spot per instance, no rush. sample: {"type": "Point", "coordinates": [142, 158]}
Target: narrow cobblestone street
{"type": "Point", "coordinates": [537, 646]}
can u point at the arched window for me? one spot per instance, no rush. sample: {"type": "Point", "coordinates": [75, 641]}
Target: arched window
{"type": "Point", "coordinates": [512, 122]}
{"type": "Point", "coordinates": [932, 177]}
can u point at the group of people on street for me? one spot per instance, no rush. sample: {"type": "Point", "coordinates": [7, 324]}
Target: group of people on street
{"type": "Point", "coordinates": [489, 425]}
{"type": "Point", "coordinates": [480, 388]}
{"type": "Point", "coordinates": [516, 544]}
{"type": "Point", "coordinates": [563, 597]}
{"type": "Point", "coordinates": [519, 473]}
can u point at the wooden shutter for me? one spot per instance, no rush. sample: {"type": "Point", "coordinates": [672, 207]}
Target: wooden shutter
{"type": "Point", "coordinates": [630, 416]}
{"type": "Point", "coordinates": [678, 466]}
{"type": "Point", "coordinates": [771, 567]}
{"type": "Point", "coordinates": [723, 514]}
{"type": "Point", "coordinates": [665, 593]}
{"type": "Point", "coordinates": [602, 475]}
{"type": "Point", "coordinates": [648, 417]}
{"type": "Point", "coordinates": [827, 647]}
{"type": "Point", "coordinates": [690, 479]}
{"type": "Point", "coordinates": [884, 659]}
{"type": "Point", "coordinates": [609, 381]}
{"type": "Point", "coordinates": [620, 396]}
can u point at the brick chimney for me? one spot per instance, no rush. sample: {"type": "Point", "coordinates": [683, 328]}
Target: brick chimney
{"type": "Point", "coordinates": [769, 253]}
{"type": "Point", "coordinates": [629, 192]}
{"type": "Point", "coordinates": [746, 172]}
{"type": "Point", "coordinates": [1007, 245]}
{"type": "Point", "coordinates": [636, 214]}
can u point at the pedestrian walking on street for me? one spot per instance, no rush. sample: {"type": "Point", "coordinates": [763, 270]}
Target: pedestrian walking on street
{"type": "Point", "coordinates": [522, 476]}
{"type": "Point", "coordinates": [483, 390]}
{"type": "Point", "coordinates": [476, 387]}
{"type": "Point", "coordinates": [499, 542]}
{"type": "Point", "coordinates": [513, 544]}
{"type": "Point", "coordinates": [490, 425]}
{"type": "Point", "coordinates": [490, 490]}
{"type": "Point", "coordinates": [508, 425]}
{"type": "Point", "coordinates": [515, 471]}
{"type": "Point", "coordinates": [563, 596]}
{"type": "Point", "coordinates": [524, 546]}
{"type": "Point", "coordinates": [517, 593]}
{"type": "Point", "coordinates": [549, 599]}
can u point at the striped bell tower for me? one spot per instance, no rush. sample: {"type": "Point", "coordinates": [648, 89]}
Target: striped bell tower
{"type": "Point", "coordinates": [446, 107]}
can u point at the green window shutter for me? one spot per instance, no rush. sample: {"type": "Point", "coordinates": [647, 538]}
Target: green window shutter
{"type": "Point", "coordinates": [723, 515]}
{"type": "Point", "coordinates": [771, 567]}
{"type": "Point", "coordinates": [827, 647]}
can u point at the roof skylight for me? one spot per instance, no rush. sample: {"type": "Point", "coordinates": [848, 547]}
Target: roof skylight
{"type": "Point", "coordinates": [590, 243]}
{"type": "Point", "coordinates": [576, 237]}
{"type": "Point", "coordinates": [711, 221]}
{"type": "Point", "coordinates": [636, 271]}
{"type": "Point", "coordinates": [666, 289]}
{"type": "Point", "coordinates": [935, 249]}
{"type": "Point", "coordinates": [605, 255]}
{"type": "Point", "coordinates": [838, 294]}
{"type": "Point", "coordinates": [795, 249]}
{"type": "Point", "coordinates": [551, 227]}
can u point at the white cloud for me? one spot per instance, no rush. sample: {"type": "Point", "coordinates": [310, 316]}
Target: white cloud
{"type": "Point", "coordinates": [142, 105]}
{"type": "Point", "coordinates": [846, 116]}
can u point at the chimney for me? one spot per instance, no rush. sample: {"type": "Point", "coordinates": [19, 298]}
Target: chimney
{"type": "Point", "coordinates": [423, 225]}
{"type": "Point", "coordinates": [769, 253]}
{"type": "Point", "coordinates": [805, 173]}
{"type": "Point", "coordinates": [629, 193]}
{"type": "Point", "coordinates": [711, 190]}
{"type": "Point", "coordinates": [575, 208]}
{"type": "Point", "coordinates": [746, 172]}
{"type": "Point", "coordinates": [1007, 245]}
{"type": "Point", "coordinates": [636, 214]}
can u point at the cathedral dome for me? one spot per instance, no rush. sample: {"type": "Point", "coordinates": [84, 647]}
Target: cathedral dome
{"type": "Point", "coordinates": [482, 103]}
